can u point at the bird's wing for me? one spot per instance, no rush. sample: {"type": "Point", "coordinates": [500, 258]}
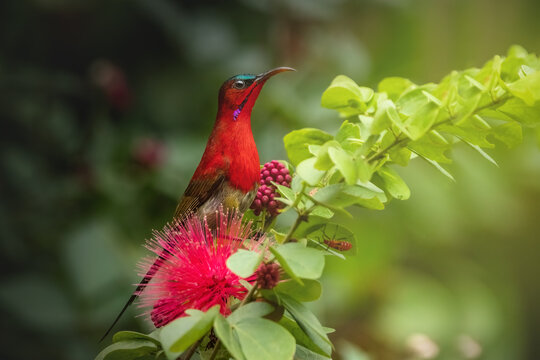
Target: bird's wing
{"type": "Point", "coordinates": [197, 193]}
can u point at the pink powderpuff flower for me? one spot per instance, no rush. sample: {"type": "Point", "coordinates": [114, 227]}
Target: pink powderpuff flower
{"type": "Point", "coordinates": [193, 273]}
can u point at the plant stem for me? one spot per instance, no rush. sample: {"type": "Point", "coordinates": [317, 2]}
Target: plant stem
{"type": "Point", "coordinates": [216, 350]}
{"type": "Point", "coordinates": [263, 225]}
{"type": "Point", "coordinates": [299, 219]}
{"type": "Point", "coordinates": [381, 153]}
{"type": "Point", "coordinates": [249, 294]}
{"type": "Point", "coordinates": [269, 222]}
{"type": "Point", "coordinates": [187, 355]}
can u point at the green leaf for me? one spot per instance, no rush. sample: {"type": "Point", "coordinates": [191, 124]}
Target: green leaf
{"type": "Point", "coordinates": [263, 339]}
{"type": "Point", "coordinates": [296, 183]}
{"type": "Point", "coordinates": [400, 155]}
{"type": "Point", "coordinates": [342, 195]}
{"type": "Point", "coordinates": [225, 332]}
{"type": "Point", "coordinates": [367, 146]}
{"type": "Point", "coordinates": [127, 349]}
{"type": "Point", "coordinates": [133, 335]}
{"type": "Point", "coordinates": [329, 330]}
{"type": "Point", "coordinates": [413, 100]}
{"type": "Point", "coordinates": [393, 183]}
{"type": "Point", "coordinates": [251, 310]}
{"type": "Point", "coordinates": [421, 120]}
{"type": "Point", "coordinates": [510, 69]}
{"type": "Point", "coordinates": [334, 196]}
{"type": "Point", "coordinates": [509, 133]}
{"type": "Point", "coordinates": [307, 171]}
{"type": "Point", "coordinates": [299, 261]}
{"type": "Point", "coordinates": [518, 110]}
{"type": "Point", "coordinates": [385, 116]}
{"type": "Point", "coordinates": [345, 95]}
{"type": "Point", "coordinates": [314, 149]}
{"type": "Point", "coordinates": [471, 94]}
{"type": "Point", "coordinates": [280, 237]}
{"type": "Point", "coordinates": [364, 169]}
{"type": "Point", "coordinates": [440, 168]}
{"type": "Point", "coordinates": [310, 291]}
{"type": "Point", "coordinates": [466, 107]}
{"type": "Point", "coordinates": [178, 335]}
{"type": "Point", "coordinates": [431, 146]}
{"type": "Point", "coordinates": [286, 191]}
{"type": "Point", "coordinates": [395, 86]}
{"type": "Point", "coordinates": [482, 152]}
{"type": "Point", "coordinates": [301, 337]}
{"type": "Point", "coordinates": [284, 265]}
{"type": "Point", "coordinates": [517, 51]}
{"type": "Point", "coordinates": [348, 136]}
{"type": "Point", "coordinates": [297, 142]}
{"type": "Point", "coordinates": [473, 130]}
{"type": "Point", "coordinates": [244, 262]}
{"type": "Point", "coordinates": [303, 353]}
{"type": "Point", "coordinates": [447, 90]}
{"type": "Point", "coordinates": [518, 58]}
{"type": "Point", "coordinates": [323, 159]}
{"type": "Point", "coordinates": [468, 87]}
{"type": "Point", "coordinates": [490, 73]}
{"type": "Point", "coordinates": [527, 89]}
{"type": "Point", "coordinates": [322, 211]}
{"type": "Point", "coordinates": [308, 323]}
{"type": "Point", "coordinates": [344, 163]}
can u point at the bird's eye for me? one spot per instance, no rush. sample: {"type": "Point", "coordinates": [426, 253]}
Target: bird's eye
{"type": "Point", "coordinates": [239, 84]}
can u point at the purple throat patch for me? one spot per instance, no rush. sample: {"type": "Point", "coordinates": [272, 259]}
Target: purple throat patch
{"type": "Point", "coordinates": [236, 113]}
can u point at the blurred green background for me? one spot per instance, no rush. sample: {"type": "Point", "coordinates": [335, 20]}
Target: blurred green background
{"type": "Point", "coordinates": [105, 110]}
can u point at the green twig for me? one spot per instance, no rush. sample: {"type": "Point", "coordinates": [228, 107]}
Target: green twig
{"type": "Point", "coordinates": [249, 294]}
{"type": "Point", "coordinates": [301, 217]}
{"type": "Point", "coordinates": [187, 355]}
{"type": "Point", "coordinates": [381, 153]}
{"type": "Point", "coordinates": [216, 350]}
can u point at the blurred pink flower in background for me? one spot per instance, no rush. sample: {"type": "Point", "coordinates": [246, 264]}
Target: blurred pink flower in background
{"type": "Point", "coordinates": [149, 152]}
{"type": "Point", "coordinates": [111, 79]}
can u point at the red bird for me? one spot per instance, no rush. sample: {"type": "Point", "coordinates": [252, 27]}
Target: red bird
{"type": "Point", "coordinates": [228, 174]}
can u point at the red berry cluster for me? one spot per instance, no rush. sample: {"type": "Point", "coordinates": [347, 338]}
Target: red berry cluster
{"type": "Point", "coordinates": [268, 275]}
{"type": "Point", "coordinates": [272, 171]}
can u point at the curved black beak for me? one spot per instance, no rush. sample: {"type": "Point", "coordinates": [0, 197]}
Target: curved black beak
{"type": "Point", "coordinates": [266, 75]}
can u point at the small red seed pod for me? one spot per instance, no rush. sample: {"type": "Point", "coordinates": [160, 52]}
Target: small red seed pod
{"type": "Point", "coordinates": [268, 275]}
{"type": "Point", "coordinates": [340, 245]}
{"type": "Point", "coordinates": [273, 171]}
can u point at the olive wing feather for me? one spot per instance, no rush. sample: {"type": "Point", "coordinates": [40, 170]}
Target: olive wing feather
{"type": "Point", "coordinates": [198, 192]}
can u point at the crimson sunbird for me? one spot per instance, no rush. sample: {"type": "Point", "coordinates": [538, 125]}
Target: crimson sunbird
{"type": "Point", "coordinates": [228, 175]}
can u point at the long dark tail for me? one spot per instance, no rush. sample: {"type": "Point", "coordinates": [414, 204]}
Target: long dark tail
{"type": "Point", "coordinates": [145, 280]}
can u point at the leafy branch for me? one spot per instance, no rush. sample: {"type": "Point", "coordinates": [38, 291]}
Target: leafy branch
{"type": "Point", "coordinates": [380, 154]}
{"type": "Point", "coordinates": [354, 167]}
{"type": "Point", "coordinates": [403, 120]}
